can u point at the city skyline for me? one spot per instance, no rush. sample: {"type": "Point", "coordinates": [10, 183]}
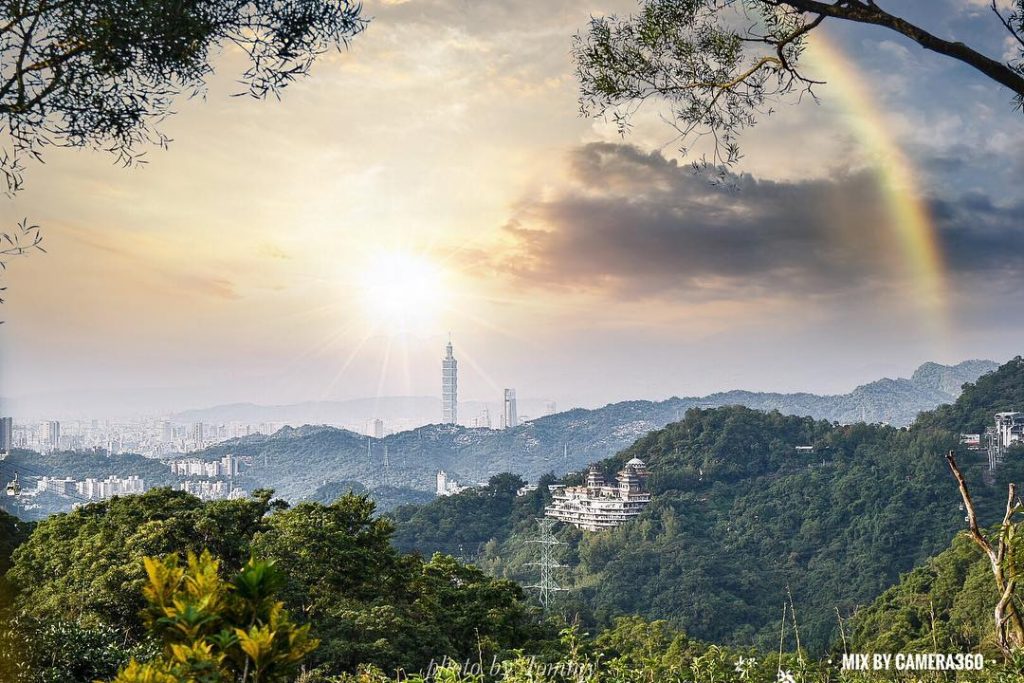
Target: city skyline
{"type": "Point", "coordinates": [322, 247]}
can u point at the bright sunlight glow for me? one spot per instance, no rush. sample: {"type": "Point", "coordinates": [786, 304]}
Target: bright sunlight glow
{"type": "Point", "coordinates": [402, 292]}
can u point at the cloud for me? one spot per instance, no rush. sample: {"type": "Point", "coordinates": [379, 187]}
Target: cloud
{"type": "Point", "coordinates": [981, 237]}
{"type": "Point", "coordinates": [639, 225]}
{"type": "Point", "coordinates": [635, 224]}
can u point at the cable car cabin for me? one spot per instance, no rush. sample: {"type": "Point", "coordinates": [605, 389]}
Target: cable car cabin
{"type": "Point", "coordinates": [13, 487]}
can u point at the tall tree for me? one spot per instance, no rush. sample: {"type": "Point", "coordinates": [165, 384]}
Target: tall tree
{"type": "Point", "coordinates": [722, 64]}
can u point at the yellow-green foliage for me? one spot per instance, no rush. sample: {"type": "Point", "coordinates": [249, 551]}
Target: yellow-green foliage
{"type": "Point", "coordinates": [215, 631]}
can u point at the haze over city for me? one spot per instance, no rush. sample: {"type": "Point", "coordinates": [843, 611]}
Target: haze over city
{"type": "Point", "coordinates": [437, 179]}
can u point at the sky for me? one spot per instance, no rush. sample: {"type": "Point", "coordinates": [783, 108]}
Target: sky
{"type": "Point", "coordinates": [437, 179]}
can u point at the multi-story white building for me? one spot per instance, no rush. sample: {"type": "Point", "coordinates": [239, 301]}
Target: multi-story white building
{"type": "Point", "coordinates": [597, 505]}
{"type": "Point", "coordinates": [212, 490]}
{"type": "Point", "coordinates": [194, 467]}
{"type": "Point", "coordinates": [95, 489]}
{"type": "Point", "coordinates": [62, 487]}
{"type": "Point", "coordinates": [1009, 428]}
{"type": "Point", "coordinates": [446, 486]}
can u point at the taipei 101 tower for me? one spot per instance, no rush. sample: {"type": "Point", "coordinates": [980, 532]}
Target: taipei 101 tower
{"type": "Point", "coordinates": [449, 387]}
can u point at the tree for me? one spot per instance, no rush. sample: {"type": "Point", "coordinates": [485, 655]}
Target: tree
{"type": "Point", "coordinates": [216, 631]}
{"type": "Point", "coordinates": [104, 73]}
{"type": "Point", "coordinates": [721, 64]}
{"type": "Point", "coordinates": [1003, 556]}
{"type": "Point", "coordinates": [370, 604]}
{"type": "Point", "coordinates": [101, 73]}
{"type": "Point", "coordinates": [86, 566]}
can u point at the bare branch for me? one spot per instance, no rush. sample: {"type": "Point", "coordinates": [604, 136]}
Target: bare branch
{"type": "Point", "coordinates": [1008, 620]}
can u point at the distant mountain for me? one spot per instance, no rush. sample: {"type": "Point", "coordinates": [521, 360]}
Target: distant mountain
{"type": "Point", "coordinates": [316, 412]}
{"type": "Point", "coordinates": [396, 411]}
{"type": "Point", "coordinates": [896, 401]}
{"type": "Point", "coordinates": [297, 461]}
{"type": "Point", "coordinates": [300, 461]}
{"type": "Point", "coordinates": [741, 521]}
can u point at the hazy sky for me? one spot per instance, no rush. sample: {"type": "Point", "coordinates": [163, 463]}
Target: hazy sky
{"type": "Point", "coordinates": [437, 178]}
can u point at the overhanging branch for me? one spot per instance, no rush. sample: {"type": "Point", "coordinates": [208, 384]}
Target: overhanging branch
{"type": "Point", "coordinates": [871, 13]}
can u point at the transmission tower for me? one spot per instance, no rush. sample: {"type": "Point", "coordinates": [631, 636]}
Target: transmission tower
{"type": "Point", "coordinates": [547, 586]}
{"type": "Point", "coordinates": [387, 464]}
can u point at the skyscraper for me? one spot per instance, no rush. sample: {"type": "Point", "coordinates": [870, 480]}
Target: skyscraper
{"type": "Point", "coordinates": [6, 434]}
{"type": "Point", "coordinates": [510, 418]}
{"type": "Point", "coordinates": [378, 428]}
{"type": "Point", "coordinates": [53, 434]}
{"type": "Point", "coordinates": [449, 387]}
{"type": "Point", "coordinates": [196, 437]}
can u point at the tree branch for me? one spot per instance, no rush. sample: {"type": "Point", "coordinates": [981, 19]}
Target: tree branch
{"type": "Point", "coordinates": [872, 14]}
{"type": "Point", "coordinates": [1006, 611]}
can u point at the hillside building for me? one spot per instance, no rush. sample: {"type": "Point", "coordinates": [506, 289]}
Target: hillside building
{"type": "Point", "coordinates": [1009, 428]}
{"type": "Point", "coordinates": [597, 505]}
{"type": "Point", "coordinates": [446, 486]}
{"type": "Point", "coordinates": [971, 442]}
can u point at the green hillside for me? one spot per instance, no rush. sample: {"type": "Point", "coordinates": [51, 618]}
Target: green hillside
{"type": "Point", "coordinates": [943, 604]}
{"type": "Point", "coordinates": [740, 520]}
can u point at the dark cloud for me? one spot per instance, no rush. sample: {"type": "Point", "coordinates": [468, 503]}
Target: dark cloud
{"type": "Point", "coordinates": [981, 236]}
{"type": "Point", "coordinates": [641, 225]}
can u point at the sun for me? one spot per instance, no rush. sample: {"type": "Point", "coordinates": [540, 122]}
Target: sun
{"type": "Point", "coordinates": [402, 291]}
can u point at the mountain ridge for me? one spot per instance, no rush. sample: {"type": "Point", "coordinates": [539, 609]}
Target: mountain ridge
{"type": "Point", "coordinates": [929, 385]}
{"type": "Point", "coordinates": [743, 519]}
{"type": "Point", "coordinates": [558, 443]}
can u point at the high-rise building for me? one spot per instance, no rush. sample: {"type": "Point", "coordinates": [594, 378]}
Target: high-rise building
{"type": "Point", "coordinates": [53, 435]}
{"type": "Point", "coordinates": [449, 387]}
{"type": "Point", "coordinates": [378, 428]}
{"type": "Point", "coordinates": [196, 437]}
{"type": "Point", "coordinates": [509, 417]}
{"type": "Point", "coordinates": [6, 434]}
{"type": "Point", "coordinates": [166, 431]}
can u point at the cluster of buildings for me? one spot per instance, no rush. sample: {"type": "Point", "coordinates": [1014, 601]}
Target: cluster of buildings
{"type": "Point", "coordinates": [153, 438]}
{"type": "Point", "coordinates": [598, 505]}
{"type": "Point", "coordinates": [93, 489]}
{"type": "Point", "coordinates": [44, 437]}
{"type": "Point", "coordinates": [194, 467]}
{"type": "Point", "coordinates": [446, 486]}
{"type": "Point", "coordinates": [212, 490]}
{"type": "Point", "coordinates": [1007, 431]}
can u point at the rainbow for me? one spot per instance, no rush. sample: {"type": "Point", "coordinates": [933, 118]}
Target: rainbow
{"type": "Point", "coordinates": [915, 231]}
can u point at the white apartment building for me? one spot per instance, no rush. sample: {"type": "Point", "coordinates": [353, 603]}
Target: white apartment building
{"type": "Point", "coordinates": [1009, 428]}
